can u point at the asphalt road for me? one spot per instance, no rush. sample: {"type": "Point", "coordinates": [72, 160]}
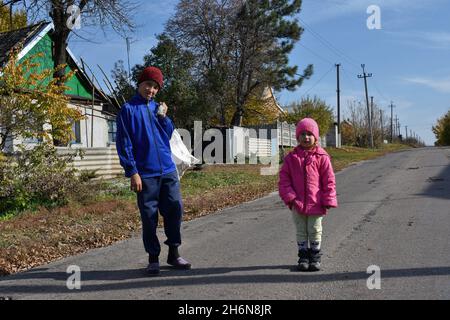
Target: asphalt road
{"type": "Point", "coordinates": [394, 213]}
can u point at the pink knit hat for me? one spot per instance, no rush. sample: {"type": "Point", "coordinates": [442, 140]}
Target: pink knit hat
{"type": "Point", "coordinates": [307, 124]}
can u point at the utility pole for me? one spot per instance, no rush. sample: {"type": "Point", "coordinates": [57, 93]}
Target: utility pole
{"type": "Point", "coordinates": [371, 111]}
{"type": "Point", "coordinates": [338, 143]}
{"type": "Point", "coordinates": [392, 119]}
{"type": "Point", "coordinates": [365, 76]}
{"type": "Point", "coordinates": [128, 56]}
{"type": "Point", "coordinates": [406, 130]}
{"type": "Point", "coordinates": [396, 126]}
{"type": "Point", "coordinates": [381, 125]}
{"type": "Point", "coordinates": [371, 114]}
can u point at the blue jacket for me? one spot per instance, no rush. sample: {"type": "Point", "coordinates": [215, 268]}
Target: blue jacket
{"type": "Point", "coordinates": [142, 139]}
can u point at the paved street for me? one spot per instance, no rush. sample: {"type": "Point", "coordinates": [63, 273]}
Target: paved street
{"type": "Point", "coordinates": [394, 213]}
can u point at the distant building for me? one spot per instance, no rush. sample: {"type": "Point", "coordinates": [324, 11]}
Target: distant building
{"type": "Point", "coordinates": [262, 107]}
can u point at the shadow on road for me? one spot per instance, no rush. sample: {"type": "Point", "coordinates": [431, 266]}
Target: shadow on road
{"type": "Point", "coordinates": [200, 276]}
{"type": "Point", "coordinates": [439, 186]}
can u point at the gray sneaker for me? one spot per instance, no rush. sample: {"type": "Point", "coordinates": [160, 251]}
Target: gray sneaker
{"type": "Point", "coordinates": [179, 263]}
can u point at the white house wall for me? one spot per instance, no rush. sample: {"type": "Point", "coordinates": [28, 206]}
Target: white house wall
{"type": "Point", "coordinates": [100, 125]}
{"type": "Point", "coordinates": [100, 133]}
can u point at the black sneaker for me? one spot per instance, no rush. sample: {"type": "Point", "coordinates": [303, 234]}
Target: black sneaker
{"type": "Point", "coordinates": [303, 262]}
{"type": "Point", "coordinates": [153, 269]}
{"type": "Point", "coordinates": [314, 260]}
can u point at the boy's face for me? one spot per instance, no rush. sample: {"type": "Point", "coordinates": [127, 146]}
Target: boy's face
{"type": "Point", "coordinates": [307, 140]}
{"type": "Point", "coordinates": [148, 89]}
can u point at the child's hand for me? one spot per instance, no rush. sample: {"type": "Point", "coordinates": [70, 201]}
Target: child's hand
{"type": "Point", "coordinates": [162, 109]}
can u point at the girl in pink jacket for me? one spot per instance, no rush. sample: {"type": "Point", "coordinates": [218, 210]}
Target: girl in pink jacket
{"type": "Point", "coordinates": [307, 186]}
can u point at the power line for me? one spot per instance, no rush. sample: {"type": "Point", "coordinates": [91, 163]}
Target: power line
{"type": "Point", "coordinates": [316, 54]}
{"type": "Point", "coordinates": [332, 67]}
{"type": "Point", "coordinates": [365, 76]}
{"type": "Point", "coordinates": [336, 51]}
{"type": "Point", "coordinates": [379, 92]}
{"type": "Point", "coordinates": [328, 44]}
{"type": "Point", "coordinates": [349, 77]}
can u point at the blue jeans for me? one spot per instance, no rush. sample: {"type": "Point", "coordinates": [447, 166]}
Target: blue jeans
{"type": "Point", "coordinates": [160, 194]}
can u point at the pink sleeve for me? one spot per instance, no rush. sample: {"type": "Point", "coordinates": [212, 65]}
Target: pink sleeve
{"type": "Point", "coordinates": [285, 189]}
{"type": "Point", "coordinates": [328, 182]}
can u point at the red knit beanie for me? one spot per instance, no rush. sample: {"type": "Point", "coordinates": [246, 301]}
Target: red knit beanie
{"type": "Point", "coordinates": [307, 124]}
{"type": "Point", "coordinates": [151, 73]}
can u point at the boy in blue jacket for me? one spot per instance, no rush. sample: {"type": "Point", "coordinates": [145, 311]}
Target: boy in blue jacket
{"type": "Point", "coordinates": [142, 141]}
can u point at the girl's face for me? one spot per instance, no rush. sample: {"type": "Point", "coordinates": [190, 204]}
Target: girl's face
{"type": "Point", "coordinates": [148, 89]}
{"type": "Point", "coordinates": [307, 140]}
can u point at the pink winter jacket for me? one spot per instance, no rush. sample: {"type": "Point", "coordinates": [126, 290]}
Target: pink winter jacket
{"type": "Point", "coordinates": [307, 181]}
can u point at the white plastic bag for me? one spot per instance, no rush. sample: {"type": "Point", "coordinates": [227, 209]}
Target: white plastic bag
{"type": "Point", "coordinates": [180, 154]}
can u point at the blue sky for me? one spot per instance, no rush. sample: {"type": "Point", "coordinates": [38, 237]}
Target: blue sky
{"type": "Point", "coordinates": [409, 56]}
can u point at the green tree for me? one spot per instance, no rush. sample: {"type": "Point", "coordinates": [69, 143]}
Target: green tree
{"type": "Point", "coordinates": [181, 91]}
{"type": "Point", "coordinates": [442, 130]}
{"type": "Point", "coordinates": [239, 46]}
{"type": "Point", "coordinates": [314, 108]}
{"type": "Point", "coordinates": [124, 89]}
{"type": "Point", "coordinates": [19, 18]}
{"type": "Point", "coordinates": [265, 34]}
{"type": "Point", "coordinates": [31, 106]}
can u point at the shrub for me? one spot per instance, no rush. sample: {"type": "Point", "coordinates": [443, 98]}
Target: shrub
{"type": "Point", "coordinates": [38, 177]}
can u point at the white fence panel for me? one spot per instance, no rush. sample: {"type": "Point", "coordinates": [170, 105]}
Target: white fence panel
{"type": "Point", "coordinates": [104, 161]}
{"type": "Point", "coordinates": [260, 147]}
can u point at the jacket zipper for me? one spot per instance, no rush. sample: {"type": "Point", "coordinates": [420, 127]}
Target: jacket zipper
{"type": "Point", "coordinates": [154, 138]}
{"type": "Point", "coordinates": [305, 185]}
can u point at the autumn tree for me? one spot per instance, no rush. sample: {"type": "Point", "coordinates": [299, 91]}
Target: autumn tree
{"type": "Point", "coordinates": [348, 136]}
{"type": "Point", "coordinates": [33, 104]}
{"type": "Point", "coordinates": [442, 130]}
{"type": "Point", "coordinates": [17, 18]}
{"type": "Point", "coordinates": [314, 108]}
{"type": "Point", "coordinates": [261, 108]}
{"type": "Point", "coordinates": [358, 133]}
